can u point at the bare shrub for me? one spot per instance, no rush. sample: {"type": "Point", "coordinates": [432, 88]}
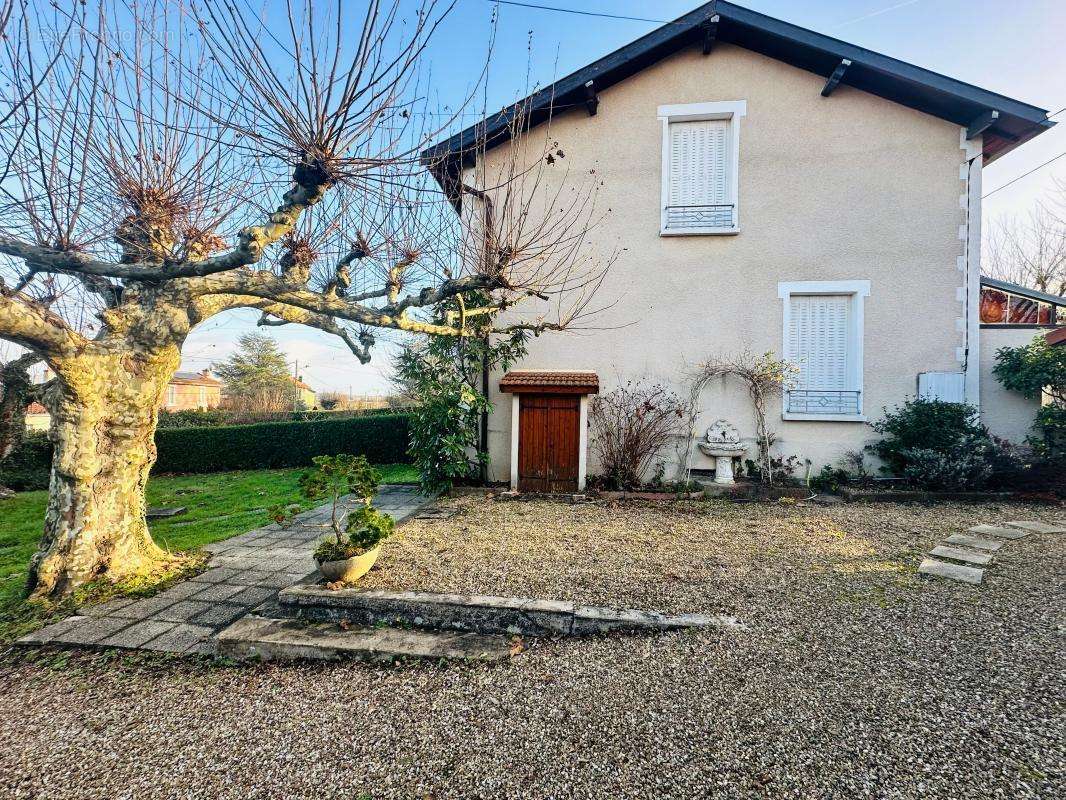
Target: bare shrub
{"type": "Point", "coordinates": [630, 427]}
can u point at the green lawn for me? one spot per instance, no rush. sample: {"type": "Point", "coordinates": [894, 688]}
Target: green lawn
{"type": "Point", "coordinates": [219, 505]}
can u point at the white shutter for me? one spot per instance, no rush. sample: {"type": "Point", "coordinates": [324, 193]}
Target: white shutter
{"type": "Point", "coordinates": [698, 152]}
{"type": "Point", "coordinates": [818, 341]}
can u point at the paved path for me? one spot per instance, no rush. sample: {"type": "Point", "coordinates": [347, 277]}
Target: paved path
{"type": "Point", "coordinates": [246, 570]}
{"type": "Point", "coordinates": [963, 556]}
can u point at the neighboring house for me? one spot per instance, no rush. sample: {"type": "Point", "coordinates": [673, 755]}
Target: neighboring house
{"type": "Point", "coordinates": [765, 188]}
{"type": "Point", "coordinates": [37, 417]}
{"type": "Point", "coordinates": [1012, 316]}
{"type": "Point", "coordinates": [189, 391]}
{"type": "Point", "coordinates": [304, 394]}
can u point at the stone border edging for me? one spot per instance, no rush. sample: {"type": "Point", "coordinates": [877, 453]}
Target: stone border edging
{"type": "Point", "coordinates": [482, 613]}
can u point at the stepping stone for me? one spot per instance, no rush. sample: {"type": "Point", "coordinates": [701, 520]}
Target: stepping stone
{"type": "Point", "coordinates": [998, 532]}
{"type": "Point", "coordinates": [1037, 527]}
{"type": "Point", "coordinates": [156, 513]}
{"type": "Point", "coordinates": [957, 554]}
{"type": "Point", "coordinates": [955, 572]}
{"type": "Point", "coordinates": [265, 639]}
{"type": "Point", "coordinates": [962, 540]}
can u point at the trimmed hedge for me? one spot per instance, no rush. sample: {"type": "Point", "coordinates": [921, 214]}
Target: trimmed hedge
{"type": "Point", "coordinates": [383, 439]}
{"type": "Point", "coordinates": [27, 469]}
{"type": "Point", "coordinates": [271, 445]}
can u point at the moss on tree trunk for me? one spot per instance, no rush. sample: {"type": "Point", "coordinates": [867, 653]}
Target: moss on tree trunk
{"type": "Point", "coordinates": [104, 409]}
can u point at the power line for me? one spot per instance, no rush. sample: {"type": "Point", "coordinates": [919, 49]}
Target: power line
{"type": "Point", "coordinates": [582, 13]}
{"type": "Point", "coordinates": [1024, 174]}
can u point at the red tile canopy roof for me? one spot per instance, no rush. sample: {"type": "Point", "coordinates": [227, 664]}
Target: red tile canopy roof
{"type": "Point", "coordinates": [1057, 337]}
{"type": "Point", "coordinates": [551, 381]}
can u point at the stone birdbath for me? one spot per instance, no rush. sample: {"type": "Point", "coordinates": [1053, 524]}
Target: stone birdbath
{"type": "Point", "coordinates": [722, 443]}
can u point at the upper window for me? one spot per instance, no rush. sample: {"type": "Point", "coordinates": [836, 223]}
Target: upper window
{"type": "Point", "coordinates": [700, 160]}
{"type": "Point", "coordinates": [823, 323]}
{"type": "Point", "coordinates": [1004, 308]}
{"type": "Point", "coordinates": [172, 396]}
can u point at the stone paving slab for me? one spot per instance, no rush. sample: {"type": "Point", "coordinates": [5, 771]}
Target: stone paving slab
{"type": "Point", "coordinates": [1037, 527]}
{"type": "Point", "coordinates": [998, 531]}
{"type": "Point", "coordinates": [266, 639]}
{"type": "Point", "coordinates": [962, 540]}
{"type": "Point", "coordinates": [955, 572]}
{"type": "Point", "coordinates": [247, 570]}
{"type": "Point", "coordinates": [958, 554]}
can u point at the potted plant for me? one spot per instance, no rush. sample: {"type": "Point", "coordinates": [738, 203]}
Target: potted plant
{"type": "Point", "coordinates": [357, 535]}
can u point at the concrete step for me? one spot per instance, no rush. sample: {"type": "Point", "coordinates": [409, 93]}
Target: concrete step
{"type": "Point", "coordinates": [998, 531]}
{"type": "Point", "coordinates": [266, 639]}
{"type": "Point", "coordinates": [955, 572]}
{"type": "Point", "coordinates": [1037, 527]}
{"type": "Point", "coordinates": [482, 613]}
{"type": "Point", "coordinates": [958, 554]}
{"type": "Point", "coordinates": [974, 542]}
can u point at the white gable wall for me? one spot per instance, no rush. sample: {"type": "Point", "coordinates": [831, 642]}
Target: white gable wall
{"type": "Point", "coordinates": [846, 188]}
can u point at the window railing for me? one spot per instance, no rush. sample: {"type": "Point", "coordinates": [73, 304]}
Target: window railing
{"type": "Point", "coordinates": [823, 401]}
{"type": "Point", "coordinates": [698, 217]}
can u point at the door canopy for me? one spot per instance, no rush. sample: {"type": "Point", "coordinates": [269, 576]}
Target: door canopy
{"type": "Point", "coordinates": [550, 382]}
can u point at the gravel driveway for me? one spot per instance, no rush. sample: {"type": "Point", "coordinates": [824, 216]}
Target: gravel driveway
{"type": "Point", "coordinates": [853, 679]}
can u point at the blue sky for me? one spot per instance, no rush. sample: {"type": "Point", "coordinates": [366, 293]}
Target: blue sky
{"type": "Point", "coordinates": [1016, 49]}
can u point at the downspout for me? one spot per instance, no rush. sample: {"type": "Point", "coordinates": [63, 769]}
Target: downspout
{"type": "Point", "coordinates": [483, 438]}
{"type": "Point", "coordinates": [971, 356]}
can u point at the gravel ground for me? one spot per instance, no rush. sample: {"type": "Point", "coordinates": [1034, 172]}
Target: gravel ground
{"type": "Point", "coordinates": [853, 679]}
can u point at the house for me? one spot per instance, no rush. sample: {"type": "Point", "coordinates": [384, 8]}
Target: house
{"type": "Point", "coordinates": [1011, 316]}
{"type": "Point", "coordinates": [304, 394]}
{"type": "Point", "coordinates": [189, 391]}
{"type": "Point", "coordinates": [765, 188]}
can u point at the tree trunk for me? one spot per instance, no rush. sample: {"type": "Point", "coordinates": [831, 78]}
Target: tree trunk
{"type": "Point", "coordinates": [104, 409]}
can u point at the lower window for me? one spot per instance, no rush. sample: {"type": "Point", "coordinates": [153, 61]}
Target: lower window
{"type": "Point", "coordinates": [823, 323]}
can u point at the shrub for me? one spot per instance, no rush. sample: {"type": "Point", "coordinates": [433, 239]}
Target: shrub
{"type": "Point", "coordinates": [630, 426]}
{"type": "Point", "coordinates": [365, 528]}
{"type": "Point", "coordinates": [1036, 369]}
{"type": "Point", "coordinates": [1050, 439]}
{"type": "Point", "coordinates": [443, 374]}
{"type": "Point", "coordinates": [937, 445]}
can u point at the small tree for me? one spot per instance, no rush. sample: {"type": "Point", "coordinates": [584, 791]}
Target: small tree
{"type": "Point", "coordinates": [630, 426]}
{"type": "Point", "coordinates": [765, 377]}
{"type": "Point", "coordinates": [1035, 370]}
{"type": "Point", "coordinates": [442, 377]}
{"type": "Point", "coordinates": [256, 376]}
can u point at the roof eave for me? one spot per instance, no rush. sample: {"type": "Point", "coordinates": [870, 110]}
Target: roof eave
{"type": "Point", "coordinates": [873, 72]}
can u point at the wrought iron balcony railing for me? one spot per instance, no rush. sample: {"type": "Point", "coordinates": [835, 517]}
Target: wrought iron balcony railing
{"type": "Point", "coordinates": [823, 401]}
{"type": "Point", "coordinates": [697, 217]}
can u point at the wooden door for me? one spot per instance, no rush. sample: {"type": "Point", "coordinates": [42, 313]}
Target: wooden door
{"type": "Point", "coordinates": [548, 440]}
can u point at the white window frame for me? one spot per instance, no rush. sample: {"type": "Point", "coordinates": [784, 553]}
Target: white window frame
{"type": "Point", "coordinates": [731, 110]}
{"type": "Point", "coordinates": [858, 290]}
{"type": "Point", "coordinates": [172, 396]}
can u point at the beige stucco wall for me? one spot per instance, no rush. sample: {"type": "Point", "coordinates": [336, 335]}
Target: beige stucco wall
{"type": "Point", "coordinates": [850, 187]}
{"type": "Point", "coordinates": [1007, 414]}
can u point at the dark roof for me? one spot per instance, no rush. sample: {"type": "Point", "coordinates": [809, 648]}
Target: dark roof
{"type": "Point", "coordinates": [1023, 291]}
{"type": "Point", "coordinates": [907, 84]}
{"type": "Point", "coordinates": [560, 381]}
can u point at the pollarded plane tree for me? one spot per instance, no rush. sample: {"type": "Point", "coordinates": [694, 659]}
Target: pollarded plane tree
{"type": "Point", "coordinates": [174, 164]}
